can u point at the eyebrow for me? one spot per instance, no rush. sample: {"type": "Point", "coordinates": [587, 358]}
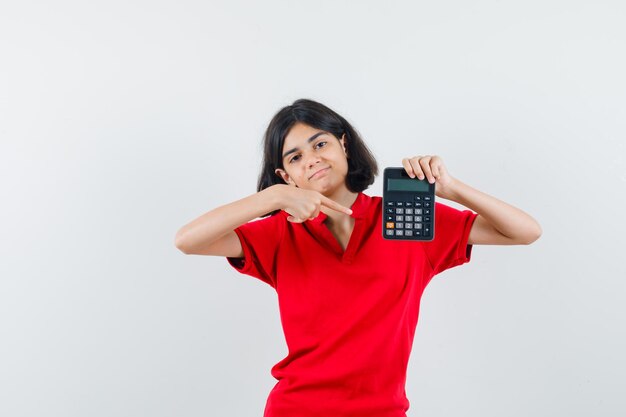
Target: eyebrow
{"type": "Point", "coordinates": [309, 140]}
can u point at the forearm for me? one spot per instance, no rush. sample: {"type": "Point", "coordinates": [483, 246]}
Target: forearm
{"type": "Point", "coordinates": [505, 218]}
{"type": "Point", "coordinates": [215, 223]}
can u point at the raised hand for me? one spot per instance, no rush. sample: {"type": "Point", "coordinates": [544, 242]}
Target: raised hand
{"type": "Point", "coordinates": [432, 168]}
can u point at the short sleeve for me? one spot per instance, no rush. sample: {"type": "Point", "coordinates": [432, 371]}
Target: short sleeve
{"type": "Point", "coordinates": [259, 240]}
{"type": "Point", "coordinates": [449, 247]}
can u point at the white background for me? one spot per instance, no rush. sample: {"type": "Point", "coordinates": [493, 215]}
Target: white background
{"type": "Point", "coordinates": [121, 121]}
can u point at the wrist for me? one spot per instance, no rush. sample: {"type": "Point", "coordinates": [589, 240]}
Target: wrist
{"type": "Point", "coordinates": [274, 196]}
{"type": "Point", "coordinates": [452, 189]}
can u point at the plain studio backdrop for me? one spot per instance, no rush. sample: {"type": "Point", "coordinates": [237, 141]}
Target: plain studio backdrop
{"type": "Point", "coordinates": [121, 121]}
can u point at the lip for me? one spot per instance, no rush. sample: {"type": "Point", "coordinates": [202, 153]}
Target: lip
{"type": "Point", "coordinates": [321, 171]}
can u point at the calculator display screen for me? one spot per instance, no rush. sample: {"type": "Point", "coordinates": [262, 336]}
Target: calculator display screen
{"type": "Point", "coordinates": [399, 184]}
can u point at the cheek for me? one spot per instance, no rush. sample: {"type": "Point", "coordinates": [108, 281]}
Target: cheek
{"type": "Point", "coordinates": [344, 164]}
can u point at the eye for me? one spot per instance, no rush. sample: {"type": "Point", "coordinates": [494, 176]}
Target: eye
{"type": "Point", "coordinates": [295, 158]}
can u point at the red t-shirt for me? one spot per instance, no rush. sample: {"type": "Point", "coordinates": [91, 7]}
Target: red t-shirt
{"type": "Point", "coordinates": [348, 317]}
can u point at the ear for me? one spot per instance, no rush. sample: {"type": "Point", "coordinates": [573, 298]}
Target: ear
{"type": "Point", "coordinates": [283, 174]}
{"type": "Point", "coordinates": [343, 143]}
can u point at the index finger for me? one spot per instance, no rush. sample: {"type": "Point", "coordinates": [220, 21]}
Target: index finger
{"type": "Point", "coordinates": [335, 206]}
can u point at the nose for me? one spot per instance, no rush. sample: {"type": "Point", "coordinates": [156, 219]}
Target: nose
{"type": "Point", "coordinates": [312, 160]}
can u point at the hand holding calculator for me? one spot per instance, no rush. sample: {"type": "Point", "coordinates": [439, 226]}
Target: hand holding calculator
{"type": "Point", "coordinates": [408, 206]}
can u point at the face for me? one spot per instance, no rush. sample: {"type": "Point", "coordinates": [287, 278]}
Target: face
{"type": "Point", "coordinates": [314, 159]}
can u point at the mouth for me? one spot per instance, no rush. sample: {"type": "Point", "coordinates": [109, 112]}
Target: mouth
{"type": "Point", "coordinates": [318, 173]}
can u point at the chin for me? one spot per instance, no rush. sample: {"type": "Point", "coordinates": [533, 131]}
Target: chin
{"type": "Point", "coordinates": [326, 188]}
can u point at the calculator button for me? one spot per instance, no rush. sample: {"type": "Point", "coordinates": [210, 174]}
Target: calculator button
{"type": "Point", "coordinates": [418, 198]}
{"type": "Point", "coordinates": [418, 211]}
{"type": "Point", "coordinates": [427, 219]}
{"type": "Point", "coordinates": [389, 218]}
{"type": "Point", "coordinates": [427, 231]}
{"type": "Point", "coordinates": [408, 218]}
{"type": "Point", "coordinates": [399, 232]}
{"type": "Point", "coordinates": [389, 225]}
{"type": "Point", "coordinates": [418, 204]}
{"type": "Point", "coordinates": [417, 233]}
{"type": "Point", "coordinates": [426, 211]}
{"type": "Point", "coordinates": [399, 218]}
{"type": "Point", "coordinates": [399, 225]}
{"type": "Point", "coordinates": [408, 204]}
{"type": "Point", "coordinates": [408, 232]}
{"type": "Point", "coordinates": [389, 232]}
{"type": "Point", "coordinates": [417, 225]}
{"type": "Point", "coordinates": [427, 205]}
{"type": "Point", "coordinates": [389, 210]}
{"type": "Point", "coordinates": [399, 211]}
{"type": "Point", "coordinates": [427, 198]}
{"type": "Point", "coordinates": [408, 225]}
{"type": "Point", "coordinates": [408, 211]}
{"type": "Point", "coordinates": [418, 219]}
{"type": "Point", "coordinates": [400, 204]}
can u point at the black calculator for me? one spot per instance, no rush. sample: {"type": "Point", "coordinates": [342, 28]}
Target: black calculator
{"type": "Point", "coordinates": [408, 206]}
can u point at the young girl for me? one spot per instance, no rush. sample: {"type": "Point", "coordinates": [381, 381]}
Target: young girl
{"type": "Point", "coordinates": [348, 298]}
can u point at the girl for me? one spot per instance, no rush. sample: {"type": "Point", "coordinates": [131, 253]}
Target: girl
{"type": "Point", "coordinates": [348, 299]}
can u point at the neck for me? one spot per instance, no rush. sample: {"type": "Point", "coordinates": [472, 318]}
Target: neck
{"type": "Point", "coordinates": [344, 197]}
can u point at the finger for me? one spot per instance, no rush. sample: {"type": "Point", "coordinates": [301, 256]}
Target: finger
{"type": "Point", "coordinates": [407, 167]}
{"type": "Point", "coordinates": [425, 164]}
{"type": "Point", "coordinates": [313, 216]}
{"type": "Point", "coordinates": [416, 167]}
{"type": "Point", "coordinates": [335, 206]}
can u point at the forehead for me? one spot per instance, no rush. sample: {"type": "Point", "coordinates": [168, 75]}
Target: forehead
{"type": "Point", "coordinates": [298, 135]}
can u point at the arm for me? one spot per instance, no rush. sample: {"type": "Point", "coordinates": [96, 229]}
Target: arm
{"type": "Point", "coordinates": [213, 232]}
{"type": "Point", "coordinates": [498, 223]}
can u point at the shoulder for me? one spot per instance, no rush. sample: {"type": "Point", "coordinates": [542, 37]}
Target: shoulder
{"type": "Point", "coordinates": [372, 200]}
